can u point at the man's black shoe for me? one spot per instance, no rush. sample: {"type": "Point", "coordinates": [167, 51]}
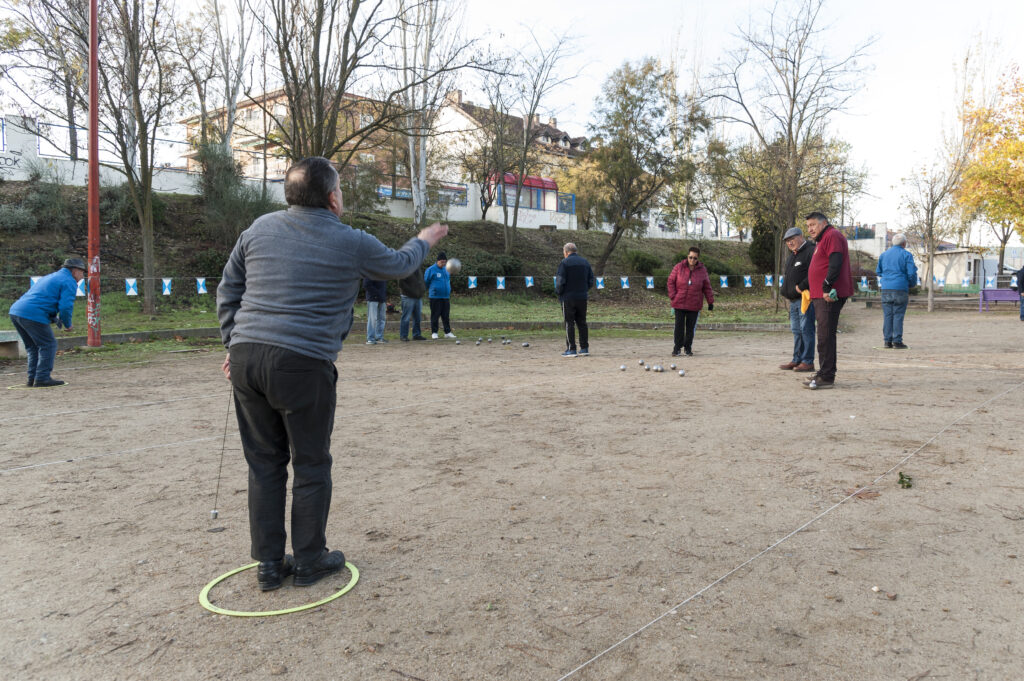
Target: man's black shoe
{"type": "Point", "coordinates": [31, 382]}
{"type": "Point", "coordinates": [312, 572]}
{"type": "Point", "coordinates": [888, 345]}
{"type": "Point", "coordinates": [688, 353]}
{"type": "Point", "coordinates": [271, 573]}
{"type": "Point", "coordinates": [404, 340]}
{"type": "Point", "coordinates": [418, 338]}
{"type": "Point", "coordinates": [900, 346]}
{"type": "Point", "coordinates": [48, 383]}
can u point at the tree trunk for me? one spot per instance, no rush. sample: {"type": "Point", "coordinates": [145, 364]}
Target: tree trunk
{"type": "Point", "coordinates": [69, 101]}
{"type": "Point", "coordinates": [613, 241]}
{"type": "Point", "coordinates": [931, 276]}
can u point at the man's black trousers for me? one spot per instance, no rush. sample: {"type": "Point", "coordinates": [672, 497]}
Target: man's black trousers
{"type": "Point", "coordinates": [440, 309]}
{"type": "Point", "coordinates": [574, 312]}
{"type": "Point", "coordinates": [285, 407]}
{"type": "Point", "coordinates": [826, 315]}
{"type": "Point", "coordinates": [682, 334]}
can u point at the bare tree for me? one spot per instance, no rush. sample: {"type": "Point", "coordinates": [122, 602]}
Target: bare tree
{"type": "Point", "coordinates": [929, 191]}
{"type": "Point", "coordinates": [46, 51]}
{"type": "Point", "coordinates": [782, 85]}
{"type": "Point", "coordinates": [140, 82]}
{"type": "Point", "coordinates": [432, 53]}
{"type": "Point", "coordinates": [540, 74]}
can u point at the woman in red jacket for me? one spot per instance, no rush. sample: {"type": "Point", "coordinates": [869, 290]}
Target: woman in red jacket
{"type": "Point", "coordinates": [688, 286]}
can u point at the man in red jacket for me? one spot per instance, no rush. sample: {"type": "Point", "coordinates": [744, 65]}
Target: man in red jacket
{"type": "Point", "coordinates": [688, 286]}
{"type": "Point", "coordinates": [830, 285]}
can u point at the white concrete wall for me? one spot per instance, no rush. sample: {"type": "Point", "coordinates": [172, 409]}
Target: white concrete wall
{"type": "Point", "coordinates": [874, 246]}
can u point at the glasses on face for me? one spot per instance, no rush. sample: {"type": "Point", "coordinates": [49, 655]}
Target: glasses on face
{"type": "Point", "coordinates": [691, 257]}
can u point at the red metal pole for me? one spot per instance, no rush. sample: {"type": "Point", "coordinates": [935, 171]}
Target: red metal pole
{"type": "Point", "coordinates": [92, 309]}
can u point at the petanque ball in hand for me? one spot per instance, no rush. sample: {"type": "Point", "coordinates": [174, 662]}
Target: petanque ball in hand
{"type": "Point", "coordinates": [454, 265]}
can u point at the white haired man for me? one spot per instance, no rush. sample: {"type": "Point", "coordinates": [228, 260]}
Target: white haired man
{"type": "Point", "coordinates": [896, 274]}
{"type": "Point", "coordinates": [574, 280]}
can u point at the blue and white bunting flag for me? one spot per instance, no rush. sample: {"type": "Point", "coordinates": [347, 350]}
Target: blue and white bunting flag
{"type": "Point", "coordinates": [782, 279]}
{"type": "Point", "coordinates": [942, 282]}
{"type": "Point", "coordinates": [472, 282]}
{"type": "Point", "coordinates": [919, 280]}
{"type": "Point", "coordinates": [990, 282]}
{"type": "Point", "coordinates": [1013, 280]}
{"type": "Point", "coordinates": [767, 280]}
{"type": "Point", "coordinates": [501, 283]}
{"type": "Point", "coordinates": [32, 281]}
{"type": "Point", "coordinates": [864, 283]}
{"type": "Point", "coordinates": [167, 286]}
{"type": "Point", "coordinates": [529, 282]}
{"type": "Point", "coordinates": [131, 287]}
{"type": "Point", "coordinates": [650, 282]}
{"type": "Point", "coordinates": [747, 281]}
{"type": "Point", "coordinates": [624, 281]}
{"type": "Point", "coordinates": [600, 282]}
{"type": "Point", "coordinates": [723, 282]}
{"type": "Point", "coordinates": [80, 289]}
{"type": "Point", "coordinates": [200, 285]}
{"type": "Point", "coordinates": [966, 281]}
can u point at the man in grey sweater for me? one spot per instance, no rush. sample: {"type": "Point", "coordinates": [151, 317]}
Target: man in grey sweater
{"type": "Point", "coordinates": [285, 306]}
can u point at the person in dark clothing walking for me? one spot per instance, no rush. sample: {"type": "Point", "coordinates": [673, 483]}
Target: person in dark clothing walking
{"type": "Point", "coordinates": [830, 285]}
{"type": "Point", "coordinates": [794, 283]}
{"type": "Point", "coordinates": [285, 305]}
{"type": "Point", "coordinates": [572, 283]}
{"type": "Point", "coordinates": [688, 286]}
{"type": "Point", "coordinates": [412, 288]}
{"type": "Point", "coordinates": [1020, 290]}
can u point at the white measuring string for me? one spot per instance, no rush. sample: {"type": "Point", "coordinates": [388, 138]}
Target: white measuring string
{"type": "Point", "coordinates": [770, 548]}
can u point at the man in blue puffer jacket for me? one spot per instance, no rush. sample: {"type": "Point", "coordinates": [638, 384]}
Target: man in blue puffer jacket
{"type": "Point", "coordinates": [439, 290]}
{"type": "Point", "coordinates": [896, 274]}
{"type": "Point", "coordinates": [51, 299]}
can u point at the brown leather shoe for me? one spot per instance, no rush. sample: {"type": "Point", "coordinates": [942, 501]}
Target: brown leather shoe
{"type": "Point", "coordinates": [788, 365]}
{"type": "Point", "coordinates": [803, 366]}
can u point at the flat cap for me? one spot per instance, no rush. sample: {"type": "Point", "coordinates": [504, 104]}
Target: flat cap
{"type": "Point", "coordinates": [792, 232]}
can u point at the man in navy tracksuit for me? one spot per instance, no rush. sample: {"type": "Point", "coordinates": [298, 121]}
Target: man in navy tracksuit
{"type": "Point", "coordinates": [574, 279]}
{"type": "Point", "coordinates": [51, 299]}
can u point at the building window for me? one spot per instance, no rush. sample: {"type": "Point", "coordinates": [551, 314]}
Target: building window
{"type": "Point", "coordinates": [367, 158]}
{"type": "Point", "coordinates": [365, 120]}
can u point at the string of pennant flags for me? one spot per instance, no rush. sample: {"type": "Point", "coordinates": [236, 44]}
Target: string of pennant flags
{"type": "Point", "coordinates": [131, 285]}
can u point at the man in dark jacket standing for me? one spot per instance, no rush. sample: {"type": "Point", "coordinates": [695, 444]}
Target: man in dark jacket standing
{"type": "Point", "coordinates": [285, 306]}
{"type": "Point", "coordinates": [1020, 290]}
{"type": "Point", "coordinates": [376, 310]}
{"type": "Point", "coordinates": [830, 285]}
{"type": "Point", "coordinates": [412, 288]}
{"type": "Point", "coordinates": [794, 283]}
{"type": "Point", "coordinates": [574, 280]}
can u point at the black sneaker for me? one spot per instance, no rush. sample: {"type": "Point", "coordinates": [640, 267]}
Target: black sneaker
{"type": "Point", "coordinates": [271, 573]}
{"type": "Point", "coordinates": [312, 572]}
{"type": "Point", "coordinates": [688, 353]}
{"type": "Point", "coordinates": [900, 346]}
{"type": "Point", "coordinates": [419, 338]}
{"type": "Point", "coordinates": [404, 340]}
{"type": "Point", "coordinates": [888, 345]}
{"type": "Point", "coordinates": [48, 383]}
{"type": "Point", "coordinates": [675, 353]}
{"type": "Point", "coordinates": [31, 382]}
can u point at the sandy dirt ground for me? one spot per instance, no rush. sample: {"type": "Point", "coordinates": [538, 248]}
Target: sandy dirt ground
{"type": "Point", "coordinates": [515, 514]}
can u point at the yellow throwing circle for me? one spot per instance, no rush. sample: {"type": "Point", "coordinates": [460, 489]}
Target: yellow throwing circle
{"type": "Point", "coordinates": [205, 601]}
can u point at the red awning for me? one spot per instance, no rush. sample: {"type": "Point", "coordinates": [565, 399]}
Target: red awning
{"type": "Point", "coordinates": [533, 181]}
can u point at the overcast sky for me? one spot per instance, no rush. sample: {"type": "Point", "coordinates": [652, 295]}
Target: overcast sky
{"type": "Point", "coordinates": [896, 121]}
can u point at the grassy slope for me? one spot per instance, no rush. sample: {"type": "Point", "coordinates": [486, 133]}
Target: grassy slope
{"type": "Point", "coordinates": [184, 250]}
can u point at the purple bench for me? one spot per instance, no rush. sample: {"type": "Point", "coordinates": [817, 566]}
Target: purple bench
{"type": "Point", "coordinates": [996, 294]}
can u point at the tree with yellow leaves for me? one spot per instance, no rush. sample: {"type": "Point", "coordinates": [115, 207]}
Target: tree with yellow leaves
{"type": "Point", "coordinates": [993, 182]}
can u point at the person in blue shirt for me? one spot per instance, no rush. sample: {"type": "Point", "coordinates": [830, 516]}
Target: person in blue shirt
{"type": "Point", "coordinates": [439, 290]}
{"type": "Point", "coordinates": [896, 274]}
{"type": "Point", "coordinates": [51, 299]}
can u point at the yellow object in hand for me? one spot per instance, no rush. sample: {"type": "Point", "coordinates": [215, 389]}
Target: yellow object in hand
{"type": "Point", "coordinates": [805, 301]}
